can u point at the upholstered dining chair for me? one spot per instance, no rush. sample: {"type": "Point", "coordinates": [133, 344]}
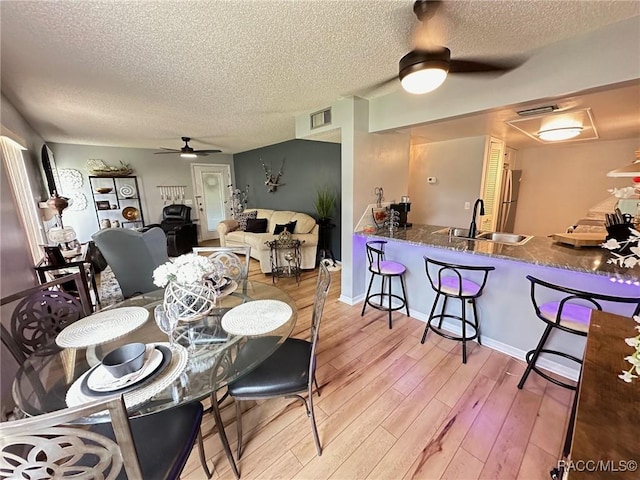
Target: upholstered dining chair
{"type": "Point", "coordinates": [289, 371]}
{"type": "Point", "coordinates": [133, 256]}
{"type": "Point", "coordinates": [155, 446]}
{"type": "Point", "coordinates": [235, 260]}
{"type": "Point", "coordinates": [39, 313]}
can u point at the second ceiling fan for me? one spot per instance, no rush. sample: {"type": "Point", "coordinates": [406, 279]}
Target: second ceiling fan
{"type": "Point", "coordinates": [187, 151]}
{"type": "Point", "coordinates": [426, 67]}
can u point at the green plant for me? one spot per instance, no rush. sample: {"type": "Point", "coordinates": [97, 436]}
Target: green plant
{"type": "Point", "coordinates": [325, 201]}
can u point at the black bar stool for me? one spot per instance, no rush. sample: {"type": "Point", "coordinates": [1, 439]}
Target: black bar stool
{"type": "Point", "coordinates": [571, 313]}
{"type": "Point", "coordinates": [447, 280]}
{"type": "Point", "coordinates": [387, 270]}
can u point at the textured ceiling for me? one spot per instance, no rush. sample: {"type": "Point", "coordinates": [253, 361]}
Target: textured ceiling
{"type": "Point", "coordinates": [234, 74]}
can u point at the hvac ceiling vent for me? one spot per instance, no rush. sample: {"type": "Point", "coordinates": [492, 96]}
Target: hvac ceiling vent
{"type": "Point", "coordinates": [321, 118]}
{"type": "Point", "coordinates": [538, 110]}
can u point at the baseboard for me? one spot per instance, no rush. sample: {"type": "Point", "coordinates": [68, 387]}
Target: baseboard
{"type": "Point", "coordinates": [546, 364]}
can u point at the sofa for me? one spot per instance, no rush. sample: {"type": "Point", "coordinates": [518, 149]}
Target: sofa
{"type": "Point", "coordinates": [306, 230]}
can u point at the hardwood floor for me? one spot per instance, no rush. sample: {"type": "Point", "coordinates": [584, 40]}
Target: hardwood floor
{"type": "Point", "coordinates": [392, 408]}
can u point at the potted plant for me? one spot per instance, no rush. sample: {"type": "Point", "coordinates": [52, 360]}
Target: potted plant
{"type": "Point", "coordinates": [324, 203]}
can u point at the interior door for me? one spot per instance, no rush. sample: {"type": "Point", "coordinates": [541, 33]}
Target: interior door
{"type": "Point", "coordinates": [211, 186]}
{"type": "Point", "coordinates": [491, 184]}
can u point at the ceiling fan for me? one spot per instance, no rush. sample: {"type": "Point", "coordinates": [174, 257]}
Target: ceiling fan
{"type": "Point", "coordinates": [187, 151]}
{"type": "Point", "coordinates": [425, 68]}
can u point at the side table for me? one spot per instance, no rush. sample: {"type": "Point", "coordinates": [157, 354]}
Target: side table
{"type": "Point", "coordinates": [285, 256]}
{"type": "Point", "coordinates": [81, 261]}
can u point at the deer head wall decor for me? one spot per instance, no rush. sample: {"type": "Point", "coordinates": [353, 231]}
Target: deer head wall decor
{"type": "Point", "coordinates": [273, 180]}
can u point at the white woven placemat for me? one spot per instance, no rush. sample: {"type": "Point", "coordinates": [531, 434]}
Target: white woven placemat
{"type": "Point", "coordinates": [102, 327]}
{"type": "Point", "coordinates": [256, 318]}
{"type": "Point", "coordinates": [179, 357]}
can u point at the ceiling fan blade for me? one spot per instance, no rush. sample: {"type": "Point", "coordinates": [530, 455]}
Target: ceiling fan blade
{"type": "Point", "coordinates": [372, 88]}
{"type": "Point", "coordinates": [208, 151]}
{"type": "Point", "coordinates": [167, 151]}
{"type": "Point", "coordinates": [484, 66]}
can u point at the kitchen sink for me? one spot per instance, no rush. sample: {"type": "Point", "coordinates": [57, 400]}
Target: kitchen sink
{"type": "Point", "coordinates": [497, 237]}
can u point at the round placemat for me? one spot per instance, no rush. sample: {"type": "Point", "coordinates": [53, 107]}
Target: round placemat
{"type": "Point", "coordinates": [102, 327]}
{"type": "Point", "coordinates": [138, 396]}
{"type": "Point", "coordinates": [256, 318]}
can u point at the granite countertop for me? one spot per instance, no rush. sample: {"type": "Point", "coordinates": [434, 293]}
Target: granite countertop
{"type": "Point", "coordinates": [537, 250]}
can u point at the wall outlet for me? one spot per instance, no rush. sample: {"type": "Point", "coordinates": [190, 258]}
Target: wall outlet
{"type": "Point", "coordinates": [188, 201]}
{"type": "Point", "coordinates": [432, 180]}
{"type": "Point", "coordinates": [467, 205]}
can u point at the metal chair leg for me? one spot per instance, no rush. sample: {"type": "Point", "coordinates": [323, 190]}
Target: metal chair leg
{"type": "Point", "coordinates": [366, 298]}
{"type": "Point", "coordinates": [534, 358]}
{"type": "Point", "coordinates": [239, 426]}
{"type": "Point", "coordinates": [404, 294]}
{"type": "Point", "coordinates": [433, 309]}
{"type": "Point", "coordinates": [203, 460]}
{"type": "Point", "coordinates": [475, 319]}
{"type": "Point", "coordinates": [464, 330]}
{"type": "Point", "coordinates": [390, 297]}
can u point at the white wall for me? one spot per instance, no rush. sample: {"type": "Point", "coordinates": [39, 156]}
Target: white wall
{"type": "Point", "coordinates": [151, 170]}
{"type": "Point", "coordinates": [457, 165]}
{"type": "Point", "coordinates": [560, 183]}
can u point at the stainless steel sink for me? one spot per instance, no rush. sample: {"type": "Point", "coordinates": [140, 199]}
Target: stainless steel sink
{"type": "Point", "coordinates": [499, 237]}
{"type": "Point", "coordinates": [454, 232]}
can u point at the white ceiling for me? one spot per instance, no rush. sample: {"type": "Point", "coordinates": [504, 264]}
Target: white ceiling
{"type": "Point", "coordinates": [234, 74]}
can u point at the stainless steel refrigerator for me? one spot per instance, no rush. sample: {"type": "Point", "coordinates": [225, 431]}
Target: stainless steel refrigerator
{"type": "Point", "coordinates": [509, 199]}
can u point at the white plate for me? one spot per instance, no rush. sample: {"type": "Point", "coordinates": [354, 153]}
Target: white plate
{"type": "Point", "coordinates": [100, 380]}
{"type": "Point", "coordinates": [256, 318]}
{"type": "Point", "coordinates": [102, 327]}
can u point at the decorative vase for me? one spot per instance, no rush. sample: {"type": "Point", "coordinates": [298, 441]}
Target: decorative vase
{"type": "Point", "coordinates": [193, 300]}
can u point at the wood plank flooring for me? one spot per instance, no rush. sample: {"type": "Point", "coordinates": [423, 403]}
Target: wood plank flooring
{"type": "Point", "coordinates": [391, 408]}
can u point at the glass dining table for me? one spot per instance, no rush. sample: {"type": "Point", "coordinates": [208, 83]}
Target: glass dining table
{"type": "Point", "coordinates": [44, 381]}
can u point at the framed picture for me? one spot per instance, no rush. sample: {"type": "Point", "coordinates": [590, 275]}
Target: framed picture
{"type": "Point", "coordinates": [103, 205]}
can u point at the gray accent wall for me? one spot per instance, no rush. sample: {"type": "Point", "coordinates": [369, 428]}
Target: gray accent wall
{"type": "Point", "coordinates": [308, 166]}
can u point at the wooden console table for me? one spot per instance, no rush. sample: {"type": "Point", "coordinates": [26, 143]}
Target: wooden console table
{"type": "Point", "coordinates": [605, 434]}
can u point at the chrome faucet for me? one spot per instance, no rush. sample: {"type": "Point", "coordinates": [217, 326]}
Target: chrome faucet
{"type": "Point", "coordinates": [472, 227]}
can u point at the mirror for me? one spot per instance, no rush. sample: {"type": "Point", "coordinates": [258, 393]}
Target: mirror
{"type": "Point", "coordinates": [50, 170]}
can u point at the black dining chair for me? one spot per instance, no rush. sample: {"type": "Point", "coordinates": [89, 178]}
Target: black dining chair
{"type": "Point", "coordinates": [289, 371]}
{"type": "Point", "coordinates": [58, 445]}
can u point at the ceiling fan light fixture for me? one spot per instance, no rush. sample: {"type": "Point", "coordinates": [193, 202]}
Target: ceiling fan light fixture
{"type": "Point", "coordinates": [188, 155]}
{"type": "Point", "coordinates": [424, 71]}
{"type": "Point", "coordinates": [559, 134]}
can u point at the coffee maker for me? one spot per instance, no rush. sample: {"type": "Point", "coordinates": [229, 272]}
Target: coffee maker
{"type": "Point", "coordinates": [402, 208]}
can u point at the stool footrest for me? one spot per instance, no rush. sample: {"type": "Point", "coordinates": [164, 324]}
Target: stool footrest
{"type": "Point", "coordinates": [438, 330]}
{"type": "Point", "coordinates": [384, 298]}
{"type": "Point", "coordinates": [535, 368]}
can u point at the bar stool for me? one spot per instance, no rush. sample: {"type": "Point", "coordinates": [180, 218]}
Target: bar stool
{"type": "Point", "coordinates": [447, 280]}
{"type": "Point", "coordinates": [571, 314]}
{"type": "Point", "coordinates": [386, 270]}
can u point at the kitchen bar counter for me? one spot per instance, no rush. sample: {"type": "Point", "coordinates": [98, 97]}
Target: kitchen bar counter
{"type": "Point", "coordinates": [538, 251]}
{"type": "Point", "coordinates": [507, 318]}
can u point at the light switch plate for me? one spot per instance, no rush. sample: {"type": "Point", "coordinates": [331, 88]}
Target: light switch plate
{"type": "Point", "coordinates": [432, 179]}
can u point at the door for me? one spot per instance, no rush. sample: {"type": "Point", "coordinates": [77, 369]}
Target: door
{"type": "Point", "coordinates": [491, 184]}
{"type": "Point", "coordinates": [211, 187]}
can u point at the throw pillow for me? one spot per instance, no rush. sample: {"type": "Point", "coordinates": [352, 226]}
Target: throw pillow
{"type": "Point", "coordinates": [289, 226]}
{"type": "Point", "coordinates": [242, 218]}
{"type": "Point", "coordinates": [256, 225]}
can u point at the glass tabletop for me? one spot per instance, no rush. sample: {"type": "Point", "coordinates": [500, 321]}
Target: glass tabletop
{"type": "Point", "coordinates": [42, 382]}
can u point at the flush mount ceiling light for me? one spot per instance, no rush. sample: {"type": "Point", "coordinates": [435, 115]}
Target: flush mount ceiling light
{"type": "Point", "coordinates": [562, 126]}
{"type": "Point", "coordinates": [559, 134]}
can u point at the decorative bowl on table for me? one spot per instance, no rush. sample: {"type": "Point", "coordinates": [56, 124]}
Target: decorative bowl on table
{"type": "Point", "coordinates": [126, 359]}
{"type": "Point", "coordinates": [104, 189]}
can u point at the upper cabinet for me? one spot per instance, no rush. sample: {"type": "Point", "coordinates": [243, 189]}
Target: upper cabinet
{"type": "Point", "coordinates": [117, 201]}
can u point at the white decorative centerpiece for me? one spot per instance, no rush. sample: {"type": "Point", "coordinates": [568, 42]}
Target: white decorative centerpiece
{"type": "Point", "coordinates": [186, 285]}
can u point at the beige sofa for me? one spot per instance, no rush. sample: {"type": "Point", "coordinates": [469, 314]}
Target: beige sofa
{"type": "Point", "coordinates": [306, 230]}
